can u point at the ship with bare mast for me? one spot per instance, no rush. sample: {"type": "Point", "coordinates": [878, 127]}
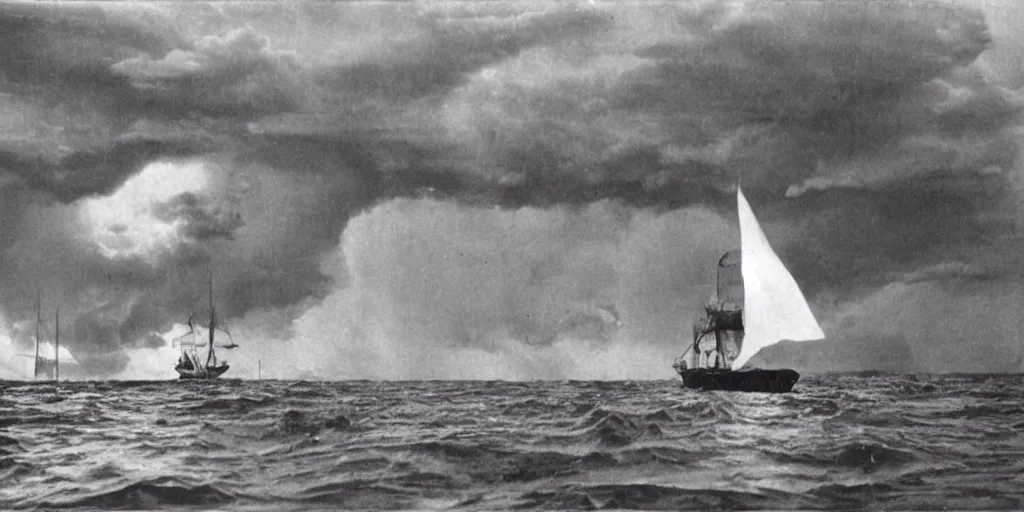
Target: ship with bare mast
{"type": "Point", "coordinates": [48, 356]}
{"type": "Point", "coordinates": [189, 365]}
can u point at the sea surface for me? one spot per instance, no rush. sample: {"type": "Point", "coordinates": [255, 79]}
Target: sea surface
{"type": "Point", "coordinates": [847, 441]}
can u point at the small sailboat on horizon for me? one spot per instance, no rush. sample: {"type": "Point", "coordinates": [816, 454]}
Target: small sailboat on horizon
{"type": "Point", "coordinates": [48, 356]}
{"type": "Point", "coordinates": [743, 318]}
{"type": "Point", "coordinates": [189, 365]}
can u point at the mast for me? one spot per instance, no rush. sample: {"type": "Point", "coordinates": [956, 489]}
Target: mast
{"type": "Point", "coordinates": [209, 354]}
{"type": "Point", "coordinates": [721, 297]}
{"type": "Point", "coordinates": [729, 303]}
{"type": "Point", "coordinates": [39, 299]}
{"type": "Point", "coordinates": [56, 347]}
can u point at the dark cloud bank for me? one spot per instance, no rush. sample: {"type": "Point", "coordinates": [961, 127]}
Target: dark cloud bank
{"type": "Point", "coordinates": [428, 190]}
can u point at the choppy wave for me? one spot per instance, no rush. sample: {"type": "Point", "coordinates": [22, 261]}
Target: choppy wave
{"type": "Point", "coordinates": [849, 441]}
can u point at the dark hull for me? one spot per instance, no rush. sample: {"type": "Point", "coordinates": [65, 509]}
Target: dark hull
{"type": "Point", "coordinates": [751, 381]}
{"type": "Point", "coordinates": [206, 373]}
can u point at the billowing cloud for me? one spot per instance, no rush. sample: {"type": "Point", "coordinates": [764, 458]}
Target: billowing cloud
{"type": "Point", "coordinates": [231, 75]}
{"type": "Point", "coordinates": [876, 141]}
{"type": "Point", "coordinates": [93, 172]}
{"type": "Point", "coordinates": [448, 48]}
{"type": "Point", "coordinates": [959, 324]}
{"type": "Point", "coordinates": [200, 219]}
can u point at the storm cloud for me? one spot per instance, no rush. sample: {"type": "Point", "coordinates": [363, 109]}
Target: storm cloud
{"type": "Point", "coordinates": [390, 182]}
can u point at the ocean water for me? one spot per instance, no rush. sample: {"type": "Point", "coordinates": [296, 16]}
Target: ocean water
{"type": "Point", "coordinates": [848, 441]}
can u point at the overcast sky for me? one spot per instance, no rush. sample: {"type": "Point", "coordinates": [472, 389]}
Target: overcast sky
{"type": "Point", "coordinates": [508, 190]}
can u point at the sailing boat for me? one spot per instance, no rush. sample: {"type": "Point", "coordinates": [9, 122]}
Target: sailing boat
{"type": "Point", "coordinates": [47, 363]}
{"type": "Point", "coordinates": [189, 365]}
{"type": "Point", "coordinates": [764, 308]}
{"type": "Point", "coordinates": [48, 356]}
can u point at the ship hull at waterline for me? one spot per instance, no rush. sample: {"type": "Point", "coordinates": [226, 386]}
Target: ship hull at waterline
{"type": "Point", "coordinates": [211, 372]}
{"type": "Point", "coordinates": [750, 381]}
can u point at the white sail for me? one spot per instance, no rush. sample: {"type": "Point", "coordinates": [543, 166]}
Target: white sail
{"type": "Point", "coordinates": [48, 352]}
{"type": "Point", "coordinates": [774, 307]}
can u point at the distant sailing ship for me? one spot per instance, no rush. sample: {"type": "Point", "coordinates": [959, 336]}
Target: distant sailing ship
{"type": "Point", "coordinates": [47, 361]}
{"type": "Point", "coordinates": [189, 365]}
{"type": "Point", "coordinates": [48, 357]}
{"type": "Point", "coordinates": [765, 307]}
